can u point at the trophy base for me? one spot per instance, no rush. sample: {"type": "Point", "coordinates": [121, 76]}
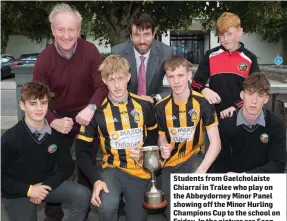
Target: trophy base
{"type": "Point", "coordinates": [155, 206]}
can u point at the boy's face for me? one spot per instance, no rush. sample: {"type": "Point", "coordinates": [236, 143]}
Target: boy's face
{"type": "Point", "coordinates": [117, 85]}
{"type": "Point", "coordinates": [253, 102]}
{"type": "Point", "coordinates": [230, 39]}
{"type": "Point", "coordinates": [35, 109]}
{"type": "Point", "coordinates": [178, 79]}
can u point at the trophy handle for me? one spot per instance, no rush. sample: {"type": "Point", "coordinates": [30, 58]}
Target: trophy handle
{"type": "Point", "coordinates": [138, 163]}
{"type": "Point", "coordinates": [162, 163]}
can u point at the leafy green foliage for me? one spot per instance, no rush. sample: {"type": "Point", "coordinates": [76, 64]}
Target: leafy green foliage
{"type": "Point", "coordinates": [267, 18]}
{"type": "Point", "coordinates": [108, 20]}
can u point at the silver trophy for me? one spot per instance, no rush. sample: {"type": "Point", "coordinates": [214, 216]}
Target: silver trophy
{"type": "Point", "coordinates": [154, 198]}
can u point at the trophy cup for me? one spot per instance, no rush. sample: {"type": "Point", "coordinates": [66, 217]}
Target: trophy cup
{"type": "Point", "coordinates": [154, 198]}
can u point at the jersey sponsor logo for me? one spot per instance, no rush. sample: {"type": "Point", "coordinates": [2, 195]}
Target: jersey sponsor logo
{"type": "Point", "coordinates": [123, 139]}
{"type": "Point", "coordinates": [52, 148]}
{"type": "Point", "coordinates": [114, 135]}
{"type": "Point", "coordinates": [193, 114]}
{"type": "Point", "coordinates": [136, 115]}
{"type": "Point", "coordinates": [242, 67]}
{"type": "Point", "coordinates": [264, 138]}
{"type": "Point", "coordinates": [181, 134]}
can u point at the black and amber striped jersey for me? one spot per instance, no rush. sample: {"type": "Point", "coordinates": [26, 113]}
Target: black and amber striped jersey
{"type": "Point", "coordinates": [119, 127]}
{"type": "Point", "coordinates": [183, 123]}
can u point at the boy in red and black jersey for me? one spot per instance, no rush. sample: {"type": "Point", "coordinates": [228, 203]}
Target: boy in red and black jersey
{"type": "Point", "coordinates": [226, 67]}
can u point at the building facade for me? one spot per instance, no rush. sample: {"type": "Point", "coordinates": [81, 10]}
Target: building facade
{"type": "Point", "coordinates": [192, 44]}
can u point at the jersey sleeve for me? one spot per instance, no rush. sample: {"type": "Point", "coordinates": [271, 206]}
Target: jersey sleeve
{"type": "Point", "coordinates": [202, 74]}
{"type": "Point", "coordinates": [151, 126]}
{"type": "Point", "coordinates": [151, 123]}
{"type": "Point", "coordinates": [160, 120]}
{"type": "Point", "coordinates": [40, 74]}
{"type": "Point", "coordinates": [254, 66]}
{"type": "Point", "coordinates": [84, 144]}
{"type": "Point", "coordinates": [208, 114]}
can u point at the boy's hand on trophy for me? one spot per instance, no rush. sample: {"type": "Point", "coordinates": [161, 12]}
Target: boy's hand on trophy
{"type": "Point", "coordinates": [98, 187]}
{"type": "Point", "coordinates": [136, 153]}
{"type": "Point", "coordinates": [165, 151]}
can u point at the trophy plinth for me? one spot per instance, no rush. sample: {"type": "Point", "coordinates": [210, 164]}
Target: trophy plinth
{"type": "Point", "coordinates": [154, 198]}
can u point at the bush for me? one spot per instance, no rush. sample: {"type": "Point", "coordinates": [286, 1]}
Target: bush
{"type": "Point", "coordinates": [104, 55]}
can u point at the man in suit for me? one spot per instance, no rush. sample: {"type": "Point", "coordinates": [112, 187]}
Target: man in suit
{"type": "Point", "coordinates": [146, 57]}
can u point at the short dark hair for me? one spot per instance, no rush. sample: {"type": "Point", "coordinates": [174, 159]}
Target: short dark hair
{"type": "Point", "coordinates": [175, 61]}
{"type": "Point", "coordinates": [142, 21]}
{"type": "Point", "coordinates": [34, 90]}
{"type": "Point", "coordinates": [257, 82]}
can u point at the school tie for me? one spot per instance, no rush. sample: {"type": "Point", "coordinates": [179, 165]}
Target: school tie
{"type": "Point", "coordinates": [36, 134]}
{"type": "Point", "coordinates": [142, 78]}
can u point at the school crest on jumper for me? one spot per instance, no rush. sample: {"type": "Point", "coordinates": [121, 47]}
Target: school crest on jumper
{"type": "Point", "coordinates": [264, 138]}
{"type": "Point", "coordinates": [52, 148]}
{"type": "Point", "coordinates": [243, 67]}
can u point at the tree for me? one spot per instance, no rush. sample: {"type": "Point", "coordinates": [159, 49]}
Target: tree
{"type": "Point", "coordinates": [269, 19]}
{"type": "Point", "coordinates": [27, 18]}
{"type": "Point", "coordinates": [111, 18]}
{"type": "Point", "coordinates": [103, 19]}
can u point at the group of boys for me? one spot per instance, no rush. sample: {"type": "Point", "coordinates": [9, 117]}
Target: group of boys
{"type": "Point", "coordinates": [246, 138]}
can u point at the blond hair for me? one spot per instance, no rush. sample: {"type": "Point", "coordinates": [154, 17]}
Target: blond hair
{"type": "Point", "coordinates": [114, 65]}
{"type": "Point", "coordinates": [226, 21]}
{"type": "Point", "coordinates": [175, 61]}
{"type": "Point", "coordinates": [64, 8]}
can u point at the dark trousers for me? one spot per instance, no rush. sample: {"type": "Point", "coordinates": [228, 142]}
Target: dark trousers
{"type": "Point", "coordinates": [53, 211]}
{"type": "Point", "coordinates": [132, 188]}
{"type": "Point", "coordinates": [188, 166]}
{"type": "Point", "coordinates": [77, 196]}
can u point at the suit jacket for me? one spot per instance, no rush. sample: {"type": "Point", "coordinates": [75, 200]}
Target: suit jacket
{"type": "Point", "coordinates": [154, 70]}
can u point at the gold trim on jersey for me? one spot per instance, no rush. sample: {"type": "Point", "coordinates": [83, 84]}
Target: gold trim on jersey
{"type": "Point", "coordinates": [152, 128]}
{"type": "Point", "coordinates": [196, 93]}
{"type": "Point", "coordinates": [139, 97]}
{"type": "Point", "coordinates": [212, 125]}
{"type": "Point", "coordinates": [88, 139]}
{"type": "Point", "coordinates": [162, 100]}
{"type": "Point", "coordinates": [161, 132]}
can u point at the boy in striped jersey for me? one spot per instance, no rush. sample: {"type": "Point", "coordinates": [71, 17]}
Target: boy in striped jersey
{"type": "Point", "coordinates": [124, 124]}
{"type": "Point", "coordinates": [181, 117]}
